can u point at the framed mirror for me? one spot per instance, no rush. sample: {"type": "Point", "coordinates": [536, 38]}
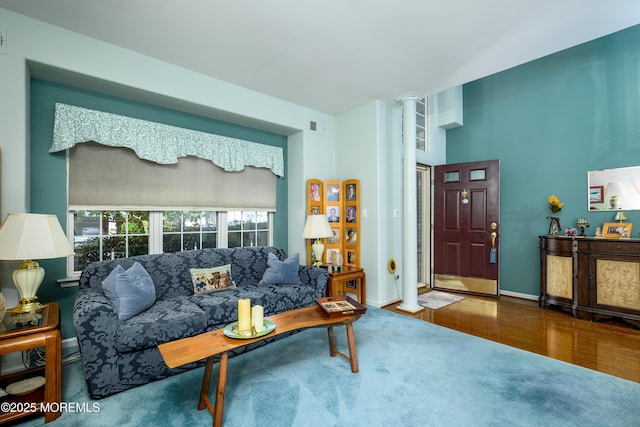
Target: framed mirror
{"type": "Point", "coordinates": [614, 189]}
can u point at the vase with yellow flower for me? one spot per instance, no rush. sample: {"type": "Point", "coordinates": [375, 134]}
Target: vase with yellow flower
{"type": "Point", "coordinates": [555, 206]}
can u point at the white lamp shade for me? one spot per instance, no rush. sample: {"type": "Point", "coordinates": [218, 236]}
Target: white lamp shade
{"type": "Point", "coordinates": [317, 227]}
{"type": "Point", "coordinates": [615, 189]}
{"type": "Point", "coordinates": [33, 236]}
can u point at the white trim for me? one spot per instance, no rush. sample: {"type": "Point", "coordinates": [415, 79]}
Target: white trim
{"type": "Point", "coordinates": [520, 295]}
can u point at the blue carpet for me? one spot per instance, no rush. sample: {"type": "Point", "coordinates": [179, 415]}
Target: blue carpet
{"type": "Point", "coordinates": [412, 373]}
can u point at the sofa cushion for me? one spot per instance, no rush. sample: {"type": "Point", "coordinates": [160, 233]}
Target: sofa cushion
{"type": "Point", "coordinates": [281, 272]}
{"type": "Point", "coordinates": [207, 280]}
{"type": "Point", "coordinates": [221, 308]}
{"type": "Point", "coordinates": [130, 292]}
{"type": "Point", "coordinates": [165, 321]}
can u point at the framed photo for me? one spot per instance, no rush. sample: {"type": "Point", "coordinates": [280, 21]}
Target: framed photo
{"type": "Point", "coordinates": [351, 192]}
{"type": "Point", "coordinates": [617, 230]}
{"type": "Point", "coordinates": [335, 239]}
{"type": "Point", "coordinates": [314, 210]}
{"type": "Point", "coordinates": [351, 214]}
{"type": "Point", "coordinates": [351, 236]}
{"type": "Point", "coordinates": [596, 194]}
{"type": "Point", "coordinates": [351, 258]}
{"type": "Point", "coordinates": [314, 192]}
{"type": "Point", "coordinates": [332, 256]}
{"type": "Point", "coordinates": [333, 213]}
{"type": "Point", "coordinates": [333, 192]}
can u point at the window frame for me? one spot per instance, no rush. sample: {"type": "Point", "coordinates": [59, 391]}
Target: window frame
{"type": "Point", "coordinates": [156, 230]}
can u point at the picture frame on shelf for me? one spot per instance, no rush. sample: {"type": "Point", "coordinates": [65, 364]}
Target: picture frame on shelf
{"type": "Point", "coordinates": [617, 230]}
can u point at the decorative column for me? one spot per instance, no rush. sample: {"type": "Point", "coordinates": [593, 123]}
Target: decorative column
{"type": "Point", "coordinates": [409, 205]}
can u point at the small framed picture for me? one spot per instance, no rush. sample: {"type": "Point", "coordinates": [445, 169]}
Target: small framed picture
{"type": "Point", "coordinates": [617, 230]}
{"type": "Point", "coordinates": [596, 194]}
{"type": "Point", "coordinates": [333, 192]}
{"type": "Point", "coordinates": [351, 214]}
{"type": "Point", "coordinates": [351, 192]}
{"type": "Point", "coordinates": [314, 192]}
{"type": "Point", "coordinates": [351, 236]}
{"type": "Point", "coordinates": [314, 210]}
{"type": "Point", "coordinates": [332, 256]}
{"type": "Point", "coordinates": [335, 239]}
{"type": "Point", "coordinates": [351, 258]}
{"type": "Point", "coordinates": [333, 213]}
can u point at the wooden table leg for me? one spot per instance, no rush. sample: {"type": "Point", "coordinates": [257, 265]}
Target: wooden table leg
{"type": "Point", "coordinates": [53, 372]}
{"type": "Point", "coordinates": [353, 356]}
{"type": "Point", "coordinates": [332, 344]}
{"type": "Point", "coordinates": [204, 390]}
{"type": "Point", "coordinates": [222, 384]}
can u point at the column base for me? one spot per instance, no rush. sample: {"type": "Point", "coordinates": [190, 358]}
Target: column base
{"type": "Point", "coordinates": [410, 309]}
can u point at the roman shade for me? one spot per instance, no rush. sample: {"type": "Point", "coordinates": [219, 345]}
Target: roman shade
{"type": "Point", "coordinates": [117, 162]}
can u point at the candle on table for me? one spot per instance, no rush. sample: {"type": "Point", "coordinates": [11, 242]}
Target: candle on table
{"type": "Point", "coordinates": [244, 318]}
{"type": "Point", "coordinates": [257, 317]}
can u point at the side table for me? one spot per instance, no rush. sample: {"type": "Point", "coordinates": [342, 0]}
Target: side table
{"type": "Point", "coordinates": [42, 333]}
{"type": "Point", "coordinates": [348, 280]}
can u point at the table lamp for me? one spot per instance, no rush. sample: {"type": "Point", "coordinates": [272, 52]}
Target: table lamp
{"type": "Point", "coordinates": [317, 227]}
{"type": "Point", "coordinates": [27, 236]}
{"type": "Point", "coordinates": [621, 217]}
{"type": "Point", "coordinates": [615, 191]}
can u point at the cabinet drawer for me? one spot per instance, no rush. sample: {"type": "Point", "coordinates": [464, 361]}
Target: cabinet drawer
{"type": "Point", "coordinates": [556, 244]}
{"type": "Point", "coordinates": [618, 247]}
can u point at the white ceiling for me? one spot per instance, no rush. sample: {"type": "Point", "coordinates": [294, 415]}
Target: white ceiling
{"type": "Point", "coordinates": [334, 55]}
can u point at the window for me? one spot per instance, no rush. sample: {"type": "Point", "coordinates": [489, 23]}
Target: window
{"type": "Point", "coordinates": [184, 230]}
{"type": "Point", "coordinates": [103, 235]}
{"type": "Point", "coordinates": [100, 235]}
{"type": "Point", "coordinates": [248, 229]}
{"type": "Point", "coordinates": [421, 125]}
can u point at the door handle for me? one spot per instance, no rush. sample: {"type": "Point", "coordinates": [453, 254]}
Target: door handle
{"type": "Point", "coordinates": [494, 236]}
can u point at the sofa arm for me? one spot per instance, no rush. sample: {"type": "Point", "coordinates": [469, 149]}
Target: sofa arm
{"type": "Point", "coordinates": [314, 277]}
{"type": "Point", "coordinates": [95, 324]}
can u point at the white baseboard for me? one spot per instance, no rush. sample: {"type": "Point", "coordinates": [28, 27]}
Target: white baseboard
{"type": "Point", "coordinates": [519, 295]}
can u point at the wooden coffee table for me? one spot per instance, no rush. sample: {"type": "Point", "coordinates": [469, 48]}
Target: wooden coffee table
{"type": "Point", "coordinates": [210, 344]}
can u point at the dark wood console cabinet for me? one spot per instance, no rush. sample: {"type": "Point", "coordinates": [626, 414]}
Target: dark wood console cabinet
{"type": "Point", "coordinates": [593, 278]}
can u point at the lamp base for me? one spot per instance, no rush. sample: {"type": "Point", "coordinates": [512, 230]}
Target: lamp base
{"type": "Point", "coordinates": [27, 305]}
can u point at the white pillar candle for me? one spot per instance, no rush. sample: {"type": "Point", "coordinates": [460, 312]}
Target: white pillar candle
{"type": "Point", "coordinates": [257, 316]}
{"type": "Point", "coordinates": [244, 316]}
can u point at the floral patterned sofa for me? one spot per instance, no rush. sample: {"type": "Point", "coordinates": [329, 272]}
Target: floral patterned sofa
{"type": "Point", "coordinates": [118, 355]}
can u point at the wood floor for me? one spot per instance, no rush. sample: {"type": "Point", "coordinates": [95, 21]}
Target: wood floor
{"type": "Point", "coordinates": [607, 347]}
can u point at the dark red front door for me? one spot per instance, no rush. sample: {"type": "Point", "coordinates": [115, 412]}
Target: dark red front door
{"type": "Point", "coordinates": [466, 227]}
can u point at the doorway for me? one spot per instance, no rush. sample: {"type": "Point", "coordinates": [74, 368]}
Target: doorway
{"type": "Point", "coordinates": [466, 227]}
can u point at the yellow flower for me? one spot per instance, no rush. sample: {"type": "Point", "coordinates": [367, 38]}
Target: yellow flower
{"type": "Point", "coordinates": [555, 205]}
{"type": "Point", "coordinates": [391, 266]}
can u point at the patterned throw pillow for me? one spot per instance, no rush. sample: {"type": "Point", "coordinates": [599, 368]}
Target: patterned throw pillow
{"type": "Point", "coordinates": [131, 292]}
{"type": "Point", "coordinates": [207, 280]}
{"type": "Point", "coordinates": [281, 272]}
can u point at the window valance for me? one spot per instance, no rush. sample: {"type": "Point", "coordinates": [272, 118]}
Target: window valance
{"type": "Point", "coordinates": [158, 142]}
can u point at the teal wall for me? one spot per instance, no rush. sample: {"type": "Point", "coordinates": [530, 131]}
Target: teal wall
{"type": "Point", "coordinates": [48, 171]}
{"type": "Point", "coordinates": [549, 122]}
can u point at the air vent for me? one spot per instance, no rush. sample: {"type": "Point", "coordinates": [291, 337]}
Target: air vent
{"type": "Point", "coordinates": [313, 126]}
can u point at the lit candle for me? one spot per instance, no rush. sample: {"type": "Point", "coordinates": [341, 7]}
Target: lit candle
{"type": "Point", "coordinates": [257, 317]}
{"type": "Point", "coordinates": [244, 318]}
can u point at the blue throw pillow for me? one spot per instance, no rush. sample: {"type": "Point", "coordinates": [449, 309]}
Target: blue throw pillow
{"type": "Point", "coordinates": [281, 272]}
{"type": "Point", "coordinates": [131, 292]}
